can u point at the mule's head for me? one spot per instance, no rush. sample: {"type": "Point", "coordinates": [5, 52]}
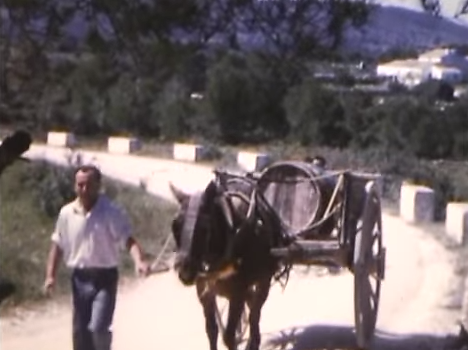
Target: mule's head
{"type": "Point", "coordinates": [199, 229]}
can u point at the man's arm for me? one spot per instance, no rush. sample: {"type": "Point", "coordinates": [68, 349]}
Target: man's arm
{"type": "Point", "coordinates": [134, 249]}
{"type": "Point", "coordinates": [55, 254]}
{"type": "Point", "coordinates": [122, 229]}
{"type": "Point", "coordinates": [141, 267]}
{"type": "Point", "coordinates": [55, 251]}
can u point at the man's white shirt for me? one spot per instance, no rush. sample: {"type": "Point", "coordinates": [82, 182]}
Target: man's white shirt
{"type": "Point", "coordinates": [94, 238]}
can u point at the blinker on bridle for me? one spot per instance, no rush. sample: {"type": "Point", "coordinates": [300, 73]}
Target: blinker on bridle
{"type": "Point", "coordinates": [191, 218]}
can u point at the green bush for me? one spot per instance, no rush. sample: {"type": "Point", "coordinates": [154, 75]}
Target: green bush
{"type": "Point", "coordinates": [315, 116]}
{"type": "Point", "coordinates": [244, 98]}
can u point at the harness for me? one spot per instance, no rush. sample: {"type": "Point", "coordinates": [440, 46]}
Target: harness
{"type": "Point", "coordinates": [238, 225]}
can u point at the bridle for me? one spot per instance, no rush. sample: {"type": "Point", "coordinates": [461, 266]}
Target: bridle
{"type": "Point", "coordinates": [196, 244]}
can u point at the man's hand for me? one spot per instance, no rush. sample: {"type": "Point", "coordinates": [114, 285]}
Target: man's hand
{"type": "Point", "coordinates": [55, 254]}
{"type": "Point", "coordinates": [48, 286]}
{"type": "Point", "coordinates": [142, 268]}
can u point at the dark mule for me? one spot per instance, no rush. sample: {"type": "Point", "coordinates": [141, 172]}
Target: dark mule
{"type": "Point", "coordinates": [224, 254]}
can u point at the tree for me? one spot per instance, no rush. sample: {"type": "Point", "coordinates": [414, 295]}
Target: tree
{"type": "Point", "coordinates": [128, 28]}
{"type": "Point", "coordinates": [172, 110]}
{"type": "Point", "coordinates": [245, 98]}
{"type": "Point", "coordinates": [457, 117]}
{"type": "Point", "coordinates": [316, 116]}
{"type": "Point", "coordinates": [302, 28]}
{"type": "Point", "coordinates": [410, 126]}
{"type": "Point", "coordinates": [434, 90]}
{"type": "Point", "coordinates": [157, 40]}
{"type": "Point", "coordinates": [358, 121]}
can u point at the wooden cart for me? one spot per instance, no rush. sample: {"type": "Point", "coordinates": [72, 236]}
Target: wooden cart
{"type": "Point", "coordinates": [334, 218]}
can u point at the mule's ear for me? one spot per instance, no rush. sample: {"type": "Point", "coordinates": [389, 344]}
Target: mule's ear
{"type": "Point", "coordinates": [180, 195]}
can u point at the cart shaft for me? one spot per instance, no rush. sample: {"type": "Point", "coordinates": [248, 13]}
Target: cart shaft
{"type": "Point", "coordinates": [312, 253]}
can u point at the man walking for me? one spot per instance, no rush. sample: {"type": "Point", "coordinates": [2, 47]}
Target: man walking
{"type": "Point", "coordinates": [89, 233]}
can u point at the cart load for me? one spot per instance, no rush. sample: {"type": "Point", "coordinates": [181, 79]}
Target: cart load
{"type": "Point", "coordinates": [299, 193]}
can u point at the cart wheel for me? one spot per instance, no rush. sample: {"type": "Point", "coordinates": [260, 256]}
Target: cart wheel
{"type": "Point", "coordinates": [221, 318]}
{"type": "Point", "coordinates": [369, 267]}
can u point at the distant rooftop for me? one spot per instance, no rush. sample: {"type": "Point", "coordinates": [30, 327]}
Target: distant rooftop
{"type": "Point", "coordinates": [446, 67]}
{"type": "Point", "coordinates": [411, 63]}
{"type": "Point", "coordinates": [437, 53]}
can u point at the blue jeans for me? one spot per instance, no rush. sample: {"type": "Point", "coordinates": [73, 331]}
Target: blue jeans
{"type": "Point", "coordinates": [94, 293]}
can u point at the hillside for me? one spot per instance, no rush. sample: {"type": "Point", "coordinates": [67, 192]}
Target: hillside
{"type": "Point", "coordinates": [403, 25]}
{"type": "Point", "coordinates": [448, 8]}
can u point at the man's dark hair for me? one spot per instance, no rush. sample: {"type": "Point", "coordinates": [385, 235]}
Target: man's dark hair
{"type": "Point", "coordinates": [90, 168]}
{"type": "Point", "coordinates": [316, 159]}
{"type": "Point", "coordinates": [320, 160]}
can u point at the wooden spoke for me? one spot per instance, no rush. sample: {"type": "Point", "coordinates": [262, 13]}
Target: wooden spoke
{"type": "Point", "coordinates": [369, 266]}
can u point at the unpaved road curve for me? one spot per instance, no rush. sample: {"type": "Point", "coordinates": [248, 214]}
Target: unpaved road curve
{"type": "Point", "coordinates": [158, 313]}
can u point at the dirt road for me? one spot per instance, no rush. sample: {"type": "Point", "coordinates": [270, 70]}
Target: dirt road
{"type": "Point", "coordinates": [313, 312]}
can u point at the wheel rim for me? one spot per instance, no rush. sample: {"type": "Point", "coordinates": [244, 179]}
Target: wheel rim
{"type": "Point", "coordinates": [368, 274]}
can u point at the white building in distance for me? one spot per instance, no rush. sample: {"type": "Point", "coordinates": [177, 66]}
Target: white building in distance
{"type": "Point", "coordinates": [445, 64]}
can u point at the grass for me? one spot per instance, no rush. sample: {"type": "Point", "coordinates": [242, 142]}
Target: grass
{"type": "Point", "coordinates": [31, 194]}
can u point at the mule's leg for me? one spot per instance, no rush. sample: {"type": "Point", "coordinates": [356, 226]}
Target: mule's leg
{"type": "Point", "coordinates": [256, 301]}
{"type": "Point", "coordinates": [236, 307]}
{"type": "Point", "coordinates": [208, 301]}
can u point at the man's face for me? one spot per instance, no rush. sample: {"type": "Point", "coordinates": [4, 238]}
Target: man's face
{"type": "Point", "coordinates": [86, 186]}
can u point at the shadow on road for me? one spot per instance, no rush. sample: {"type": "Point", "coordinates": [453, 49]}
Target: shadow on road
{"type": "Point", "coordinates": [320, 337]}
